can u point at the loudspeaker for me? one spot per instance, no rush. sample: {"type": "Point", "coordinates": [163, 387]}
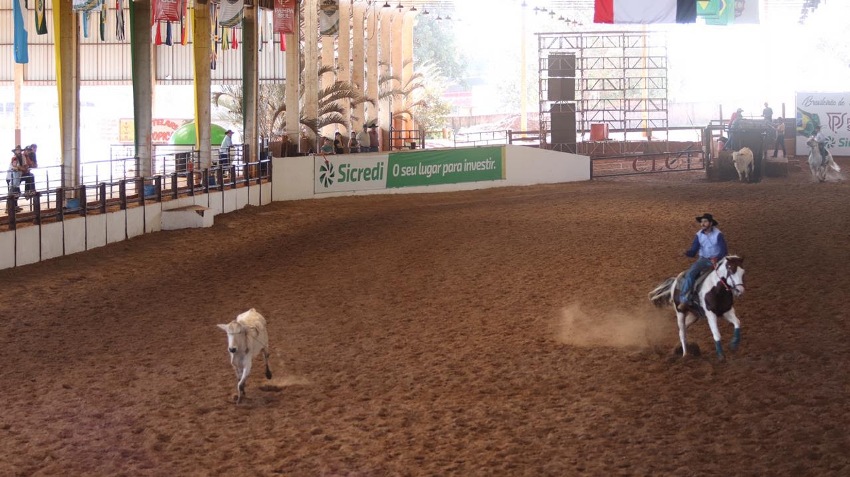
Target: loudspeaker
{"type": "Point", "coordinates": [562, 65]}
{"type": "Point", "coordinates": [562, 89]}
{"type": "Point", "coordinates": [563, 127]}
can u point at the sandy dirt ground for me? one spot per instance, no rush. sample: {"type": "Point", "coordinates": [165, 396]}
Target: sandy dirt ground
{"type": "Point", "coordinates": [496, 332]}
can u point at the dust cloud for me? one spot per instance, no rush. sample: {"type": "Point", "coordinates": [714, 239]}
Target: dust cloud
{"type": "Point", "coordinates": [642, 327]}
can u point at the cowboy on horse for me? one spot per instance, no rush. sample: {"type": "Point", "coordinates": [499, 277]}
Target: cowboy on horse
{"type": "Point", "coordinates": [710, 246]}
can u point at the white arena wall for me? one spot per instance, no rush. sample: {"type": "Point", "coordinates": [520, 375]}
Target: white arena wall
{"type": "Point", "coordinates": [298, 178]}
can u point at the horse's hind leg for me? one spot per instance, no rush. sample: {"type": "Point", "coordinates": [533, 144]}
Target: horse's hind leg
{"type": "Point", "coordinates": [736, 336]}
{"type": "Point", "coordinates": [683, 325]}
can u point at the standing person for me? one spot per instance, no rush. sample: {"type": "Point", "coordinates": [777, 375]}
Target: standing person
{"type": "Point", "coordinates": [27, 177]}
{"type": "Point", "coordinates": [224, 150]}
{"type": "Point", "coordinates": [353, 145]}
{"type": "Point", "coordinates": [767, 113]}
{"type": "Point", "coordinates": [305, 144]}
{"type": "Point", "coordinates": [780, 138]}
{"type": "Point", "coordinates": [363, 139]}
{"type": "Point", "coordinates": [13, 177]}
{"type": "Point", "coordinates": [733, 123]}
{"type": "Point", "coordinates": [339, 147]}
{"type": "Point", "coordinates": [710, 246]}
{"type": "Point", "coordinates": [373, 139]}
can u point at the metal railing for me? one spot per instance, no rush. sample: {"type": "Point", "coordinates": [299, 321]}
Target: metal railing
{"type": "Point", "coordinates": [55, 203]}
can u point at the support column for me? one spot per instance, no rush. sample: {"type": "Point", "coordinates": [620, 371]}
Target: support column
{"type": "Point", "coordinates": [250, 81]}
{"type": "Point", "coordinates": [328, 59]}
{"type": "Point", "coordinates": [398, 69]}
{"type": "Point", "coordinates": [407, 60]}
{"type": "Point", "coordinates": [201, 51]}
{"type": "Point", "coordinates": [386, 71]}
{"type": "Point", "coordinates": [311, 63]}
{"type": "Point", "coordinates": [19, 82]}
{"type": "Point", "coordinates": [293, 81]}
{"type": "Point", "coordinates": [344, 61]}
{"type": "Point", "coordinates": [372, 71]}
{"type": "Point", "coordinates": [141, 59]}
{"type": "Point", "coordinates": [358, 64]}
{"type": "Point", "coordinates": [67, 48]}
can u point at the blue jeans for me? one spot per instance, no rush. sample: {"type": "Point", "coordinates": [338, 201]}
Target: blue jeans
{"type": "Point", "coordinates": [701, 265]}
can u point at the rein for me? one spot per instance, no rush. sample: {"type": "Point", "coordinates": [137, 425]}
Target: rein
{"type": "Point", "coordinates": [723, 280]}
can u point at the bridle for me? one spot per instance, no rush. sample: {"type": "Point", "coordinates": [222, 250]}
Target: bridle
{"type": "Point", "coordinates": [728, 281]}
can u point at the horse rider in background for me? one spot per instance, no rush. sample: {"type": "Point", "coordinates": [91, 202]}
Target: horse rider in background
{"type": "Point", "coordinates": [821, 139]}
{"type": "Point", "coordinates": [710, 246]}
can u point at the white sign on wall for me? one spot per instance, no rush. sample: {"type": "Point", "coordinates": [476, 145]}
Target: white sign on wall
{"type": "Point", "coordinates": [830, 111]}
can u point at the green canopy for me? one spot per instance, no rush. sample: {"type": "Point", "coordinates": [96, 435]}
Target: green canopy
{"type": "Point", "coordinates": [185, 135]}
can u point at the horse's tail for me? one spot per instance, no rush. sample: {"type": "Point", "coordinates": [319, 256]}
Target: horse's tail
{"type": "Point", "coordinates": [662, 295]}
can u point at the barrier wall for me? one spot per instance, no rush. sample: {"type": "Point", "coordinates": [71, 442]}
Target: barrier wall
{"type": "Point", "coordinates": [496, 166]}
{"type": "Point", "coordinates": [30, 244]}
{"type": "Point", "coordinates": [308, 177]}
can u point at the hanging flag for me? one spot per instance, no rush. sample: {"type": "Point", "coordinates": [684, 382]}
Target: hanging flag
{"type": "Point", "coordinates": [329, 18]}
{"type": "Point", "coordinates": [645, 11]}
{"type": "Point", "coordinates": [231, 13]}
{"type": "Point", "coordinates": [84, 5]}
{"type": "Point", "coordinates": [724, 12]}
{"type": "Point", "coordinates": [104, 11]}
{"type": "Point", "coordinates": [282, 42]}
{"type": "Point", "coordinates": [166, 10]}
{"type": "Point", "coordinates": [184, 26]}
{"type": "Point", "coordinates": [157, 39]}
{"type": "Point", "coordinates": [21, 36]}
{"type": "Point", "coordinates": [168, 34]}
{"type": "Point", "coordinates": [86, 17]}
{"type": "Point", "coordinates": [119, 20]}
{"type": "Point", "coordinates": [40, 18]}
{"type": "Point", "coordinates": [235, 43]}
{"type": "Point", "coordinates": [284, 16]}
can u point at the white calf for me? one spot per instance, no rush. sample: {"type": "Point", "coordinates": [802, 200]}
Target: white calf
{"type": "Point", "coordinates": [246, 337]}
{"type": "Point", "coordinates": [743, 161]}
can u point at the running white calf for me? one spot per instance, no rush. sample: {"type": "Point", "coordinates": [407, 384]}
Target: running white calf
{"type": "Point", "coordinates": [247, 336]}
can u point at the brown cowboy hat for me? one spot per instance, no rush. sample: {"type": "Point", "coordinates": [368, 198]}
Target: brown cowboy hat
{"type": "Point", "coordinates": [708, 217]}
{"type": "Point", "coordinates": [17, 148]}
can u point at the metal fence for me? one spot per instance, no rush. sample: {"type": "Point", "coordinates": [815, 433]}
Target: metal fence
{"type": "Point", "coordinates": [121, 187]}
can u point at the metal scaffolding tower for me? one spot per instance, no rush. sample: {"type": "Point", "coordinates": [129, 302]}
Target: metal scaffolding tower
{"type": "Point", "coordinates": [618, 81]}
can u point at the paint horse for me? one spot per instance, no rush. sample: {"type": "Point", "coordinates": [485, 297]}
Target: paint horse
{"type": "Point", "coordinates": [818, 164]}
{"type": "Point", "coordinates": [715, 293]}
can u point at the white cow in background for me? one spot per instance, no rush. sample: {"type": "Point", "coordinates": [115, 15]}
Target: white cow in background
{"type": "Point", "coordinates": [246, 337]}
{"type": "Point", "coordinates": [819, 165]}
{"type": "Point", "coordinates": [743, 161]}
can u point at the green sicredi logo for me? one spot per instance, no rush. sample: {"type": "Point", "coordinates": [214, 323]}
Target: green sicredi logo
{"type": "Point", "coordinates": [327, 173]}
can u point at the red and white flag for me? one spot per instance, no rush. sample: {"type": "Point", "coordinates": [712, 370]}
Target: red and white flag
{"type": "Point", "coordinates": [645, 11]}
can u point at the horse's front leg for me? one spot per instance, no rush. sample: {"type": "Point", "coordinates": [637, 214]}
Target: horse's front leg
{"type": "Point", "coordinates": [715, 332]}
{"type": "Point", "coordinates": [736, 336]}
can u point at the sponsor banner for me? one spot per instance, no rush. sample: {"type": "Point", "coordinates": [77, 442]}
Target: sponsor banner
{"type": "Point", "coordinates": [161, 130]}
{"type": "Point", "coordinates": [830, 111]}
{"type": "Point", "coordinates": [166, 10]}
{"type": "Point", "coordinates": [284, 16]}
{"type": "Point", "coordinates": [329, 18]}
{"type": "Point", "coordinates": [448, 166]}
{"type": "Point", "coordinates": [349, 172]}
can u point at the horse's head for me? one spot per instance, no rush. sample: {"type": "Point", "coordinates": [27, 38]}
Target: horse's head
{"type": "Point", "coordinates": [731, 273]}
{"type": "Point", "coordinates": [812, 143]}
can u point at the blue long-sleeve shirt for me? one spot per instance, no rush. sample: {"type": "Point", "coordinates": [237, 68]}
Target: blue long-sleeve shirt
{"type": "Point", "coordinates": [708, 245]}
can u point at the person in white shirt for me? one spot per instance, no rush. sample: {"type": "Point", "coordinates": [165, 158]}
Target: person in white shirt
{"type": "Point", "coordinates": [224, 150]}
{"type": "Point", "coordinates": [363, 139]}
